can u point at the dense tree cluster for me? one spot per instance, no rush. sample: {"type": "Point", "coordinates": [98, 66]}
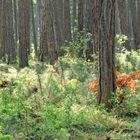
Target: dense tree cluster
{"type": "Point", "coordinates": [69, 69]}
{"type": "Point", "coordinates": [50, 24]}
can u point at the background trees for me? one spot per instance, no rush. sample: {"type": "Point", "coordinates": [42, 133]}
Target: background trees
{"type": "Point", "coordinates": [65, 15]}
{"type": "Point", "coordinates": [44, 26]}
{"type": "Point", "coordinates": [69, 69]}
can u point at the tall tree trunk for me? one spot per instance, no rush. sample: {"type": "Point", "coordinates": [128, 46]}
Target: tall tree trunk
{"type": "Point", "coordinates": [58, 22]}
{"type": "Point", "coordinates": [43, 31]}
{"type": "Point", "coordinates": [122, 16]}
{"type": "Point", "coordinates": [24, 32]}
{"type": "Point", "coordinates": [67, 20]}
{"type": "Point", "coordinates": [50, 33]}
{"type": "Point", "coordinates": [80, 15]}
{"type": "Point", "coordinates": [74, 18]}
{"type": "Point", "coordinates": [95, 32]}
{"type": "Point", "coordinates": [39, 13]}
{"type": "Point", "coordinates": [0, 29]}
{"type": "Point", "coordinates": [133, 8]}
{"type": "Point", "coordinates": [123, 20]}
{"type": "Point", "coordinates": [129, 26]}
{"type": "Point", "coordinates": [3, 30]}
{"type": "Point", "coordinates": [47, 33]}
{"type": "Point", "coordinates": [106, 51]}
{"type": "Point", "coordinates": [10, 42]}
{"type": "Point", "coordinates": [89, 15]}
{"type": "Point", "coordinates": [138, 11]}
{"type": "Point", "coordinates": [34, 29]}
{"type": "Point", "coordinates": [15, 21]}
{"type": "Point", "coordinates": [89, 26]}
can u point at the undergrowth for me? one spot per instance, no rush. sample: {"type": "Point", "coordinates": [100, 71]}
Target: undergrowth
{"type": "Point", "coordinates": [45, 102]}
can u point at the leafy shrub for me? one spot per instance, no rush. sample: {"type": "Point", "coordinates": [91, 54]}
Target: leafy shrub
{"type": "Point", "coordinates": [133, 105]}
{"type": "Point", "coordinates": [128, 61]}
{"type": "Point", "coordinates": [78, 46]}
{"type": "Point", "coordinates": [78, 68]}
{"type": "Point", "coordinates": [5, 137]}
{"type": "Point", "coordinates": [54, 102]}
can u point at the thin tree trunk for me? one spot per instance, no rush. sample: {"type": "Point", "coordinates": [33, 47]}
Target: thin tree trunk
{"type": "Point", "coordinates": [0, 29]}
{"type": "Point", "coordinates": [67, 20]}
{"type": "Point", "coordinates": [123, 20]}
{"type": "Point", "coordinates": [34, 29]}
{"type": "Point", "coordinates": [74, 18]}
{"type": "Point", "coordinates": [3, 31]}
{"type": "Point", "coordinates": [80, 15]}
{"type": "Point", "coordinates": [95, 32]}
{"type": "Point", "coordinates": [138, 11]}
{"type": "Point", "coordinates": [89, 26]}
{"type": "Point", "coordinates": [15, 21]}
{"type": "Point", "coordinates": [132, 4]}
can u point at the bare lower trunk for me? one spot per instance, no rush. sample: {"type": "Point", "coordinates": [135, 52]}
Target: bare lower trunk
{"type": "Point", "coordinates": [107, 51]}
{"type": "Point", "coordinates": [24, 32]}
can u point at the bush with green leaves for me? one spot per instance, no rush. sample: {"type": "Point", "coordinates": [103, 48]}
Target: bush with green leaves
{"type": "Point", "coordinates": [5, 137]}
{"type": "Point", "coordinates": [78, 68]}
{"type": "Point", "coordinates": [78, 46]}
{"type": "Point", "coordinates": [128, 61]}
{"type": "Point", "coordinates": [133, 105]}
{"type": "Point", "coordinates": [54, 102]}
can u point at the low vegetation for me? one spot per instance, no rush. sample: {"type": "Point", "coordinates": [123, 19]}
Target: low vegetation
{"type": "Point", "coordinates": [59, 102]}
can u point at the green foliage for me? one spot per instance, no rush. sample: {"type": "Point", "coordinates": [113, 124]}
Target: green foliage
{"type": "Point", "coordinates": [54, 102]}
{"type": "Point", "coordinates": [128, 105]}
{"type": "Point", "coordinates": [5, 137]}
{"type": "Point", "coordinates": [128, 61]}
{"type": "Point", "coordinates": [78, 68]}
{"type": "Point", "coordinates": [78, 46]}
{"type": "Point", "coordinates": [133, 105]}
{"type": "Point", "coordinates": [121, 39]}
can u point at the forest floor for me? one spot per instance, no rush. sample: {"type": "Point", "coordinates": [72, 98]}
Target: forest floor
{"type": "Point", "coordinates": [44, 102]}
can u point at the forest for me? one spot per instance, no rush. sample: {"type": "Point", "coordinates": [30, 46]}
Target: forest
{"type": "Point", "coordinates": [69, 69]}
